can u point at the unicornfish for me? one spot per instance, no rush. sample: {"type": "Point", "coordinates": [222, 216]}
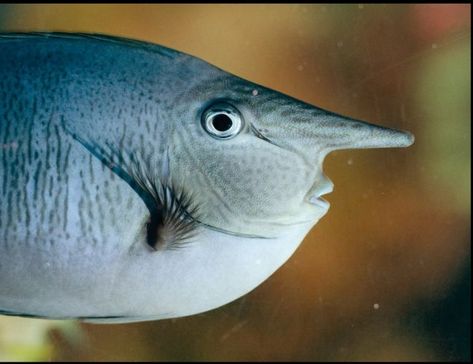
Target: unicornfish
{"type": "Point", "coordinates": [140, 183]}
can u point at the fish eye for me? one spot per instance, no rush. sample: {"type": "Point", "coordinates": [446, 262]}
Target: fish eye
{"type": "Point", "coordinates": [222, 120]}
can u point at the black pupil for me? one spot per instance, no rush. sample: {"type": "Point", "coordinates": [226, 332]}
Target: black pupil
{"type": "Point", "coordinates": [222, 122]}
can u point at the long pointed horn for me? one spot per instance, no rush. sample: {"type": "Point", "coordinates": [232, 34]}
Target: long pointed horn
{"type": "Point", "coordinates": [346, 133]}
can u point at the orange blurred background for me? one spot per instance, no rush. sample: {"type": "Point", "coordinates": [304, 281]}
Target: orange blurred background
{"type": "Point", "coordinates": [385, 275]}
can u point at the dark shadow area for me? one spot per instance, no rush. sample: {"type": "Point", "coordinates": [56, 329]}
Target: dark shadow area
{"type": "Point", "coordinates": [445, 324]}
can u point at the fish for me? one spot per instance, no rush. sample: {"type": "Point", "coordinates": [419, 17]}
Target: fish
{"type": "Point", "coordinates": [141, 183]}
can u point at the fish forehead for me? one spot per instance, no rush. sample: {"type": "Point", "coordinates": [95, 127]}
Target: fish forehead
{"type": "Point", "coordinates": [291, 122]}
{"type": "Point", "coordinates": [260, 99]}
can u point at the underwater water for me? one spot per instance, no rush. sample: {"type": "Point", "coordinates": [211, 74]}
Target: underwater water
{"type": "Point", "coordinates": [385, 275]}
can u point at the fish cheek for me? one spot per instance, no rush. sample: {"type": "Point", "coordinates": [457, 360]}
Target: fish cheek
{"type": "Point", "coordinates": [243, 182]}
{"type": "Point", "coordinates": [278, 180]}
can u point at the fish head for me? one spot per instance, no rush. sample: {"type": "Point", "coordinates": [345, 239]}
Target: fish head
{"type": "Point", "coordinates": [252, 157]}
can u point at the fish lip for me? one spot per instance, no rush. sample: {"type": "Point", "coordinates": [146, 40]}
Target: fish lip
{"type": "Point", "coordinates": [320, 188]}
{"type": "Point", "coordinates": [319, 202]}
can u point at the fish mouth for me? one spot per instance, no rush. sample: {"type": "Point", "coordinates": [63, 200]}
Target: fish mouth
{"type": "Point", "coordinates": [319, 202]}
{"type": "Point", "coordinates": [320, 188]}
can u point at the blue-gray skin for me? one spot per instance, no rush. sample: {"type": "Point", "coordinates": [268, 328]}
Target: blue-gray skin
{"type": "Point", "coordinates": [123, 199]}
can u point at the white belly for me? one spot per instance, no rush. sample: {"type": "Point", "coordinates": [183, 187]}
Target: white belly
{"type": "Point", "coordinates": [138, 284]}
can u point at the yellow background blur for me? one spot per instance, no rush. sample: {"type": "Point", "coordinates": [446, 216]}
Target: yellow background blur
{"type": "Point", "coordinates": [386, 274]}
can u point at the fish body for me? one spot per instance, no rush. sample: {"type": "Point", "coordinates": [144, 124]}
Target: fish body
{"type": "Point", "coordinates": [139, 183]}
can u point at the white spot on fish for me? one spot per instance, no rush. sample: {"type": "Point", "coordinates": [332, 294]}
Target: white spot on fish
{"type": "Point", "coordinates": [376, 306]}
{"type": "Point", "coordinates": [254, 92]}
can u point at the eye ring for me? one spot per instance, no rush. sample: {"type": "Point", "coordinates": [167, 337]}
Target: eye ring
{"type": "Point", "coordinates": [222, 120]}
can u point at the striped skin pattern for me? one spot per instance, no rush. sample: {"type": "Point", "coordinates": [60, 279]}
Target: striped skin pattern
{"type": "Point", "coordinates": [85, 118]}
